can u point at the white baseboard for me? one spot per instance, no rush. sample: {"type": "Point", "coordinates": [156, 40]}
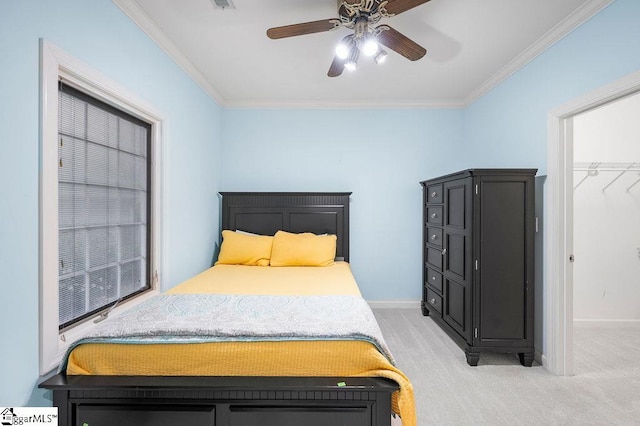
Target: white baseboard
{"type": "Point", "coordinates": [539, 357]}
{"type": "Point", "coordinates": [585, 321]}
{"type": "Point", "coordinates": [394, 304]}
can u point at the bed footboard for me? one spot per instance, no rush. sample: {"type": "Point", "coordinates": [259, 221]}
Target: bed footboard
{"type": "Point", "coordinates": [229, 401]}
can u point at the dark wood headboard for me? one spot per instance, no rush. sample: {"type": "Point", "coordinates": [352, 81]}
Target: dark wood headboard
{"type": "Point", "coordinates": [267, 212]}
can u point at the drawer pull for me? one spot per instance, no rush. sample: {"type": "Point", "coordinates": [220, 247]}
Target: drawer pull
{"type": "Point", "coordinates": [433, 301]}
{"type": "Point", "coordinates": [434, 215]}
{"type": "Point", "coordinates": [433, 278]}
{"type": "Point", "coordinates": [434, 237]}
{"type": "Point", "coordinates": [434, 194]}
{"type": "Point", "coordinates": [444, 251]}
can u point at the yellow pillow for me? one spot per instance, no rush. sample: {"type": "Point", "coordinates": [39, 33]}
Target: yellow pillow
{"type": "Point", "coordinates": [305, 249]}
{"type": "Point", "coordinates": [242, 249]}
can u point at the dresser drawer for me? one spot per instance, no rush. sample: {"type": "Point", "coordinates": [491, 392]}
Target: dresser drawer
{"type": "Point", "coordinates": [434, 279]}
{"type": "Point", "coordinates": [434, 301]}
{"type": "Point", "coordinates": [434, 194]}
{"type": "Point", "coordinates": [434, 236]}
{"type": "Point", "coordinates": [434, 215]}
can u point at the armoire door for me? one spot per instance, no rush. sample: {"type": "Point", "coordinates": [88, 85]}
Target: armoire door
{"type": "Point", "coordinates": [505, 277]}
{"type": "Point", "coordinates": [457, 258]}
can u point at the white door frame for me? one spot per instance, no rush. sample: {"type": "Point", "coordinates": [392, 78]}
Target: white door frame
{"type": "Point", "coordinates": [558, 224]}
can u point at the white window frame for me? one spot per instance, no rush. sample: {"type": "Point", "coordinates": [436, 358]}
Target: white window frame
{"type": "Point", "coordinates": [56, 64]}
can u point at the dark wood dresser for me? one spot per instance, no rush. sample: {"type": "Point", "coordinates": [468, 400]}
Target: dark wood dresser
{"type": "Point", "coordinates": [478, 269]}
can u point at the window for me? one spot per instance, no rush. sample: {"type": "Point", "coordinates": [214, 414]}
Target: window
{"type": "Point", "coordinates": [103, 194]}
{"type": "Point", "coordinates": [100, 201]}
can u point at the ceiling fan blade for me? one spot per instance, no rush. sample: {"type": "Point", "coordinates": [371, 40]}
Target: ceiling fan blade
{"type": "Point", "coordinates": [400, 43]}
{"type": "Point", "coordinates": [396, 7]}
{"type": "Point", "coordinates": [336, 68]}
{"type": "Point", "coordinates": [303, 29]}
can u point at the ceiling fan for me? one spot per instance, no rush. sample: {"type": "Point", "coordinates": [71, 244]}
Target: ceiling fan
{"type": "Point", "coordinates": [360, 16]}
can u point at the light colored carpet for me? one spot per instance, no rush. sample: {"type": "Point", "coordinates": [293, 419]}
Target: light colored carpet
{"type": "Point", "coordinates": [499, 391]}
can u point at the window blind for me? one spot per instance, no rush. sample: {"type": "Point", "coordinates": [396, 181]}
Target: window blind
{"type": "Point", "coordinates": [103, 205]}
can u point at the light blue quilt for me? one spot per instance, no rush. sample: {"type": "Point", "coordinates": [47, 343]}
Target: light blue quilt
{"type": "Point", "coordinates": [196, 318]}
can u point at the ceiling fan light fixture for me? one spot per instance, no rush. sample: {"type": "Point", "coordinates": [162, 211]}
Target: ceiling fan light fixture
{"type": "Point", "coordinates": [352, 61]}
{"type": "Point", "coordinates": [380, 57]}
{"type": "Point", "coordinates": [367, 37]}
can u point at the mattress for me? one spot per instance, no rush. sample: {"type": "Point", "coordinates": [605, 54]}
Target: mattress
{"type": "Point", "coordinates": [340, 358]}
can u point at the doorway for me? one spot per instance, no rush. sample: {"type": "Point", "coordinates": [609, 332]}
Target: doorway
{"type": "Point", "coordinates": [558, 225]}
{"type": "Point", "coordinates": [606, 200]}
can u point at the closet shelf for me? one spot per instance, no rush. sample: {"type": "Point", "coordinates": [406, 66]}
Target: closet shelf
{"type": "Point", "coordinates": [594, 169]}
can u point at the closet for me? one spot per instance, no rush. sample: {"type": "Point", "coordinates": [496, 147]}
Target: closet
{"type": "Point", "coordinates": [606, 241]}
{"type": "Point", "coordinates": [606, 212]}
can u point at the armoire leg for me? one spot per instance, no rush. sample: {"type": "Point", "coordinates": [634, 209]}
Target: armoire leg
{"type": "Point", "coordinates": [526, 358]}
{"type": "Point", "coordinates": [472, 357]}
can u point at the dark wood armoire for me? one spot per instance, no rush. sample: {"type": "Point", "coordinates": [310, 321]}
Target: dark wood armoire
{"type": "Point", "coordinates": [478, 266]}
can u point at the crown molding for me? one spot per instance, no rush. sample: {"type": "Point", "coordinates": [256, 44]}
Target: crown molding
{"type": "Point", "coordinates": [557, 33]}
{"type": "Point", "coordinates": [133, 10]}
{"type": "Point", "coordinates": [315, 104]}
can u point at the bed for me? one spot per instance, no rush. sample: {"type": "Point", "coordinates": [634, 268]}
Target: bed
{"type": "Point", "coordinates": [317, 379]}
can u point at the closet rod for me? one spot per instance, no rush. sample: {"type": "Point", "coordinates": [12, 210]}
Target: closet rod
{"type": "Point", "coordinates": [594, 169]}
{"type": "Point", "coordinates": [605, 169]}
{"type": "Point", "coordinates": [606, 165]}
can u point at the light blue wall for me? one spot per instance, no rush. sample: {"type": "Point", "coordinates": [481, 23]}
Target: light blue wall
{"type": "Point", "coordinates": [379, 155]}
{"type": "Point", "coordinates": [97, 33]}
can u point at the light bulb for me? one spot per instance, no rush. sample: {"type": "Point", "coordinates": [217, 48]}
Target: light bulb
{"type": "Point", "coordinates": [370, 46]}
{"type": "Point", "coordinates": [352, 62]}
{"type": "Point", "coordinates": [343, 49]}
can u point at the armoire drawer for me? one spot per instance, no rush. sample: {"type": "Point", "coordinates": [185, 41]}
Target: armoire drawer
{"type": "Point", "coordinates": [434, 279]}
{"type": "Point", "coordinates": [434, 301]}
{"type": "Point", "coordinates": [434, 194]}
{"type": "Point", "coordinates": [434, 215]}
{"type": "Point", "coordinates": [434, 236]}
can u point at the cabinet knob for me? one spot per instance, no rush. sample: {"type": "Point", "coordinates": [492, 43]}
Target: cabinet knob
{"type": "Point", "coordinates": [433, 301]}
{"type": "Point", "coordinates": [444, 251]}
{"type": "Point", "coordinates": [433, 278]}
{"type": "Point", "coordinates": [433, 237]}
{"type": "Point", "coordinates": [433, 215]}
{"type": "Point", "coordinates": [434, 194]}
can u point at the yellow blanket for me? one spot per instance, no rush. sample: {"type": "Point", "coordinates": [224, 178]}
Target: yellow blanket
{"type": "Point", "coordinates": [263, 358]}
{"type": "Point", "coordinates": [290, 280]}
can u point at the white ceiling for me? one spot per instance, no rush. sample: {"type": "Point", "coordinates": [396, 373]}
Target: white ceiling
{"type": "Point", "coordinates": [472, 45]}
